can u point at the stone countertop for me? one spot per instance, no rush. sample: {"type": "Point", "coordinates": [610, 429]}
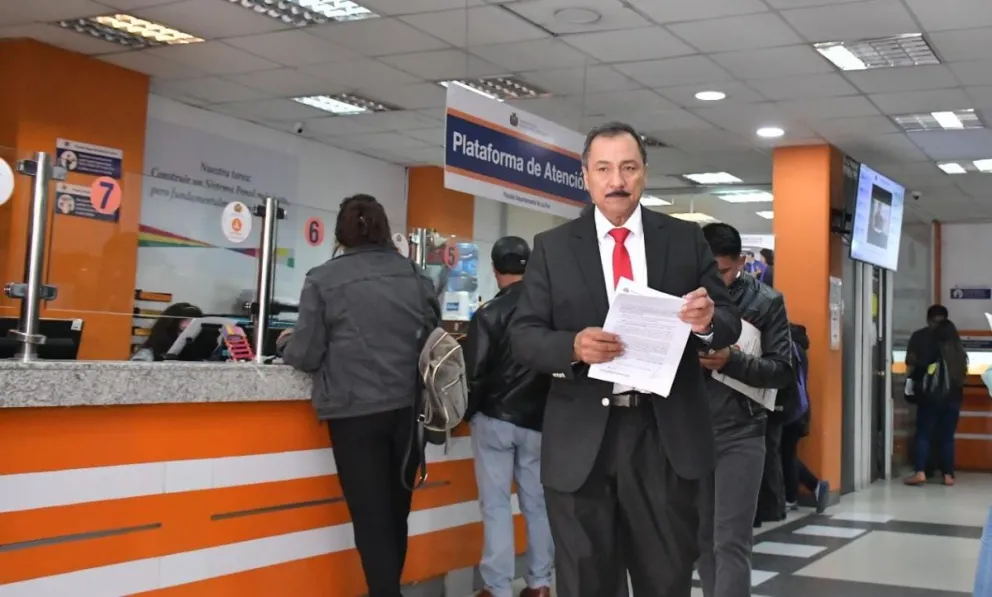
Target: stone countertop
{"type": "Point", "coordinates": [113, 383]}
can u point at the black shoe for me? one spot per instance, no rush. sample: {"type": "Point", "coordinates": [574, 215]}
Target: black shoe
{"type": "Point", "coordinates": [822, 496]}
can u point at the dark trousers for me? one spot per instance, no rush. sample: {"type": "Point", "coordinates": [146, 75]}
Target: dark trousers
{"type": "Point", "coordinates": [369, 452]}
{"type": "Point", "coordinates": [729, 500]}
{"type": "Point", "coordinates": [936, 424]}
{"type": "Point", "coordinates": [794, 471]}
{"type": "Point", "coordinates": [771, 498]}
{"type": "Point", "coordinates": [633, 514]}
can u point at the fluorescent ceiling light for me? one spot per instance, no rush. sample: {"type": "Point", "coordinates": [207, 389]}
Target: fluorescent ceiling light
{"type": "Point", "coordinates": [982, 165]}
{"type": "Point", "coordinates": [910, 49]}
{"type": "Point", "coordinates": [768, 215]}
{"type": "Point", "coordinates": [652, 201]}
{"type": "Point", "coordinates": [746, 197]}
{"type": "Point", "coordinates": [953, 168]}
{"type": "Point", "coordinates": [939, 121]}
{"type": "Point", "coordinates": [343, 104]}
{"type": "Point", "coordinates": [712, 178]}
{"type": "Point", "coordinates": [499, 88]}
{"type": "Point", "coordinates": [302, 13]}
{"type": "Point", "coordinates": [710, 96]}
{"type": "Point", "coordinates": [770, 132]}
{"type": "Point", "coordinates": [129, 31]}
{"type": "Point", "coordinates": [694, 216]}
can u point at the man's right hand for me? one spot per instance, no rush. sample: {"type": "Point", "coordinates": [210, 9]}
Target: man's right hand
{"type": "Point", "coordinates": [593, 345]}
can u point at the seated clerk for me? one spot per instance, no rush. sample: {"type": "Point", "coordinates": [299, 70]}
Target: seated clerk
{"type": "Point", "coordinates": [166, 331]}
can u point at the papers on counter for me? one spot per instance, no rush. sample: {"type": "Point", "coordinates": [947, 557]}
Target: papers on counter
{"type": "Point", "coordinates": [647, 322]}
{"type": "Point", "coordinates": [749, 343]}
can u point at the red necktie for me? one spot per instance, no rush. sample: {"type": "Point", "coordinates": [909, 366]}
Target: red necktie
{"type": "Point", "coordinates": [621, 258]}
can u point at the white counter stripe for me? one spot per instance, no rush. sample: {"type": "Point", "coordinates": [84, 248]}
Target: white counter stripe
{"type": "Point", "coordinates": [29, 491]}
{"type": "Point", "coordinates": [149, 574]}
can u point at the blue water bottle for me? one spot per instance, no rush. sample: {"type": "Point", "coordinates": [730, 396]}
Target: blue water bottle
{"type": "Point", "coordinates": [983, 576]}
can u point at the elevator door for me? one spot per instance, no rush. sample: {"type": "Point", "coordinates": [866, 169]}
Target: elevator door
{"type": "Point", "coordinates": [879, 364]}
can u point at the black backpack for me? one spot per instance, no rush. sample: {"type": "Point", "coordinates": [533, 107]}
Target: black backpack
{"type": "Point", "coordinates": [935, 386]}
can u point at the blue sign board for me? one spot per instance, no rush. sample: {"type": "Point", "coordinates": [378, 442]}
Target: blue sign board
{"type": "Point", "coordinates": [74, 200]}
{"type": "Point", "coordinates": [86, 158]}
{"type": "Point", "coordinates": [974, 293]}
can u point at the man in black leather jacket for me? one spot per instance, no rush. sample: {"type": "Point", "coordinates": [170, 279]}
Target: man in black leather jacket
{"type": "Point", "coordinates": [730, 497]}
{"type": "Point", "coordinates": [506, 409]}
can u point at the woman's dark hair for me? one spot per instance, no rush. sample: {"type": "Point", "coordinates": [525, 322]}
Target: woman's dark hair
{"type": "Point", "coordinates": [952, 350]}
{"type": "Point", "coordinates": [769, 256]}
{"type": "Point", "coordinates": [166, 329]}
{"type": "Point", "coordinates": [362, 222]}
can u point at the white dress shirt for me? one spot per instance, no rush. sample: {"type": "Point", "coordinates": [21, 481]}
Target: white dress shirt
{"type": "Point", "coordinates": [638, 261]}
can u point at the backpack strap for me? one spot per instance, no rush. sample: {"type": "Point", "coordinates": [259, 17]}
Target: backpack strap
{"type": "Point", "coordinates": [418, 443]}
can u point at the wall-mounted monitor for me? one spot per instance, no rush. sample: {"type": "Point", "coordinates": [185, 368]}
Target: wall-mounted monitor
{"type": "Point", "coordinates": [878, 213]}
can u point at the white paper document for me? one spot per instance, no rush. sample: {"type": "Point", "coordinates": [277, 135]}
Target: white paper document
{"type": "Point", "coordinates": [749, 343]}
{"type": "Point", "coordinates": [654, 339]}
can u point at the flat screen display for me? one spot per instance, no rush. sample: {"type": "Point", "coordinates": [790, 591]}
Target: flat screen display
{"type": "Point", "coordinates": [877, 220]}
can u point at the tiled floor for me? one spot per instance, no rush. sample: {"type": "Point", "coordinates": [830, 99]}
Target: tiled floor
{"type": "Point", "coordinates": [887, 541]}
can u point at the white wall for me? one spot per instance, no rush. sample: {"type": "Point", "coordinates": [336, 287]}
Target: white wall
{"type": "Point", "coordinates": [966, 260]}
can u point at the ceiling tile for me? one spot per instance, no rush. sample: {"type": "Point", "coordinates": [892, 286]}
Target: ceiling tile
{"type": "Point", "coordinates": [968, 44]}
{"type": "Point", "coordinates": [47, 11]}
{"type": "Point", "coordinates": [933, 100]}
{"type": "Point", "coordinates": [745, 119]}
{"type": "Point", "coordinates": [160, 68]}
{"type": "Point", "coordinates": [357, 74]}
{"type": "Point", "coordinates": [660, 123]}
{"type": "Point", "coordinates": [292, 48]}
{"type": "Point", "coordinates": [411, 97]}
{"type": "Point", "coordinates": [619, 104]}
{"type": "Point", "coordinates": [539, 54]}
{"type": "Point", "coordinates": [811, 86]}
{"type": "Point", "coordinates": [61, 38]}
{"type": "Point", "coordinates": [863, 20]}
{"type": "Point", "coordinates": [887, 148]}
{"type": "Point", "coordinates": [211, 90]}
{"type": "Point", "coordinates": [688, 70]}
{"type": "Point", "coordinates": [576, 81]}
{"type": "Point", "coordinates": [776, 62]}
{"type": "Point", "coordinates": [213, 57]}
{"type": "Point", "coordinates": [973, 73]}
{"type": "Point", "coordinates": [409, 7]}
{"type": "Point", "coordinates": [441, 65]}
{"type": "Point", "coordinates": [287, 82]}
{"type": "Point", "coordinates": [486, 25]}
{"type": "Point", "coordinates": [829, 107]}
{"type": "Point", "coordinates": [384, 141]}
{"type": "Point", "coordinates": [673, 11]}
{"type": "Point", "coordinates": [666, 161]}
{"type": "Point", "coordinates": [133, 4]}
{"type": "Point", "coordinates": [332, 126]}
{"type": "Point", "coordinates": [565, 111]}
{"type": "Point", "coordinates": [648, 43]}
{"type": "Point", "coordinates": [686, 95]}
{"type": "Point", "coordinates": [210, 19]}
{"type": "Point", "coordinates": [952, 14]}
{"type": "Point", "coordinates": [955, 145]}
{"type": "Point", "coordinates": [405, 120]}
{"type": "Point", "coordinates": [431, 136]}
{"type": "Point", "coordinates": [379, 37]}
{"type": "Point", "coordinates": [916, 78]}
{"type": "Point", "coordinates": [786, 4]}
{"type": "Point", "coordinates": [613, 15]}
{"type": "Point", "coordinates": [981, 97]}
{"type": "Point", "coordinates": [273, 110]}
{"type": "Point", "coordinates": [908, 168]}
{"type": "Point", "coordinates": [853, 127]}
{"type": "Point", "coordinates": [736, 33]}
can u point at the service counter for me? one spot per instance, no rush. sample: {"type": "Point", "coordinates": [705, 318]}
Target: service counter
{"type": "Point", "coordinates": [189, 479]}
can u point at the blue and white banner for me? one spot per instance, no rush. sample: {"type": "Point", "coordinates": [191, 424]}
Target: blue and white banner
{"type": "Point", "coordinates": [86, 158]}
{"type": "Point", "coordinates": [495, 151]}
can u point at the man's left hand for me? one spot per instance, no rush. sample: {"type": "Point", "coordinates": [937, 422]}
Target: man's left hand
{"type": "Point", "coordinates": [698, 311]}
{"type": "Point", "coordinates": [715, 361]}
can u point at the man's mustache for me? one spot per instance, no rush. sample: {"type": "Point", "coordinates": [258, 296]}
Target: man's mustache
{"type": "Point", "coordinates": [618, 194]}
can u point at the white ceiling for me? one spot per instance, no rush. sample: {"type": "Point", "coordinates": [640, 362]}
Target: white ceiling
{"type": "Point", "coordinates": [642, 62]}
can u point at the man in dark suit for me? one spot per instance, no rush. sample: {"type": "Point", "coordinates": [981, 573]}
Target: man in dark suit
{"type": "Point", "coordinates": [621, 468]}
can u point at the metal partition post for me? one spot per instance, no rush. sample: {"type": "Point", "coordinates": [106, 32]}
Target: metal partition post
{"type": "Point", "coordinates": [270, 214]}
{"type": "Point", "coordinates": [419, 238]}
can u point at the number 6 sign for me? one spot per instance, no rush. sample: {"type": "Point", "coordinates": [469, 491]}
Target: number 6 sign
{"type": "Point", "coordinates": [105, 195]}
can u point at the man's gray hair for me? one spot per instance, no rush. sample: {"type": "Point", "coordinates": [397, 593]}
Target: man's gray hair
{"type": "Point", "coordinates": [613, 129]}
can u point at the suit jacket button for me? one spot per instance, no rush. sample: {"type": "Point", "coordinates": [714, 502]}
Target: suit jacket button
{"type": "Point", "coordinates": [606, 401]}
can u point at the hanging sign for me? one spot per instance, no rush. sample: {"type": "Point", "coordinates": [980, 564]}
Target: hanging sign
{"type": "Point", "coordinates": [314, 231]}
{"type": "Point", "coordinates": [236, 222]}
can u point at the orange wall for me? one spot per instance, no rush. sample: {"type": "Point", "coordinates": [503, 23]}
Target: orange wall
{"type": "Point", "coordinates": [805, 181]}
{"type": "Point", "coordinates": [55, 93]}
{"type": "Point", "coordinates": [430, 205]}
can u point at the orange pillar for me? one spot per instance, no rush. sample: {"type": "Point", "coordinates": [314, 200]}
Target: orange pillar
{"type": "Point", "coordinates": [49, 93]}
{"type": "Point", "coordinates": [806, 182]}
{"type": "Point", "coordinates": [430, 205]}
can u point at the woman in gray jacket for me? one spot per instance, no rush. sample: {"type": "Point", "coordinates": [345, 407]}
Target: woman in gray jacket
{"type": "Point", "coordinates": [361, 319]}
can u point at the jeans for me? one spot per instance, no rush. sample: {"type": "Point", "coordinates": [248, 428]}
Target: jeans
{"type": "Point", "coordinates": [504, 452]}
{"type": "Point", "coordinates": [793, 469]}
{"type": "Point", "coordinates": [936, 421]}
{"type": "Point", "coordinates": [771, 498]}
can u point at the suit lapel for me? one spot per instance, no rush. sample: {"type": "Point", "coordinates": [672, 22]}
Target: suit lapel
{"type": "Point", "coordinates": [655, 247]}
{"type": "Point", "coordinates": [585, 246]}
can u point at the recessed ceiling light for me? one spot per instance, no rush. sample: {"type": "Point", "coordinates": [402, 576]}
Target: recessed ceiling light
{"type": "Point", "coordinates": [910, 49]}
{"type": "Point", "coordinates": [695, 216]}
{"type": "Point", "coordinates": [770, 132]}
{"type": "Point", "coordinates": [939, 121]}
{"type": "Point", "coordinates": [499, 88]}
{"type": "Point", "coordinates": [768, 215]}
{"type": "Point", "coordinates": [983, 165]}
{"type": "Point", "coordinates": [577, 16]}
{"type": "Point", "coordinates": [952, 168]}
{"type": "Point", "coordinates": [652, 201]}
{"type": "Point", "coordinates": [710, 96]}
{"type": "Point", "coordinates": [129, 31]}
{"type": "Point", "coordinates": [712, 178]}
{"type": "Point", "coordinates": [343, 104]}
{"type": "Point", "coordinates": [746, 197]}
{"type": "Point", "coordinates": [302, 13]}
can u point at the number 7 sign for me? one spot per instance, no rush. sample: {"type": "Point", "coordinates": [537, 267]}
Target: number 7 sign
{"type": "Point", "coordinates": [105, 195]}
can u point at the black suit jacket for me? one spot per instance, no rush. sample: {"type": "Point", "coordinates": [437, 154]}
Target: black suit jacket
{"type": "Point", "coordinates": [565, 292]}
